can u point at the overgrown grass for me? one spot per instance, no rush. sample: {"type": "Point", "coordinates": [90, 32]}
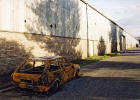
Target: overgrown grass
{"type": "Point", "coordinates": [93, 59]}
{"type": "Point", "coordinates": [90, 60]}
{"type": "Point", "coordinates": [114, 54]}
{"type": "Point", "coordinates": [131, 48]}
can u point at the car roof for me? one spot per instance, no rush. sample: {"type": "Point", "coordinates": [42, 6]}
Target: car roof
{"type": "Point", "coordinates": [45, 58]}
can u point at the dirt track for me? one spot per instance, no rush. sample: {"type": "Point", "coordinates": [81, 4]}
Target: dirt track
{"type": "Point", "coordinates": [116, 78]}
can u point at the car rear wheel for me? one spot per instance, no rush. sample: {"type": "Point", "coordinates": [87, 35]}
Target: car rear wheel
{"type": "Point", "coordinates": [55, 87]}
{"type": "Point", "coordinates": [77, 74]}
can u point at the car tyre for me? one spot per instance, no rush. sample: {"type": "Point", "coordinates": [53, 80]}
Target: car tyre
{"type": "Point", "coordinates": [77, 73]}
{"type": "Point", "coordinates": [55, 87]}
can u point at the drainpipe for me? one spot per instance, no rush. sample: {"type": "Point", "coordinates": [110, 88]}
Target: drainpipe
{"type": "Point", "coordinates": [87, 30]}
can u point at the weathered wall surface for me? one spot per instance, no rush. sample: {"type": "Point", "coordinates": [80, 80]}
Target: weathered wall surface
{"type": "Point", "coordinates": [70, 28]}
{"type": "Point", "coordinates": [130, 41]}
{"type": "Point", "coordinates": [14, 47]}
{"type": "Point", "coordinates": [65, 18]}
{"type": "Point", "coordinates": [98, 32]}
{"type": "Point", "coordinates": [12, 15]}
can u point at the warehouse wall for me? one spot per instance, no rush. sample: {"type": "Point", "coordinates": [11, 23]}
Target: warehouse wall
{"type": "Point", "coordinates": [58, 18]}
{"type": "Point", "coordinates": [105, 34]}
{"type": "Point", "coordinates": [65, 18]}
{"type": "Point", "coordinates": [15, 47]}
{"type": "Point", "coordinates": [98, 29]}
{"type": "Point", "coordinates": [130, 41]}
{"type": "Point", "coordinates": [70, 28]}
{"type": "Point", "coordinates": [72, 19]}
{"type": "Point", "coordinates": [12, 15]}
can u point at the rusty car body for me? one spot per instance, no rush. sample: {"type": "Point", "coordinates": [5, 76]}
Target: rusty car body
{"type": "Point", "coordinates": [44, 74]}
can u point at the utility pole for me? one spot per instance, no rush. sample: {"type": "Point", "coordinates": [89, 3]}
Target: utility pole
{"type": "Point", "coordinates": [87, 30]}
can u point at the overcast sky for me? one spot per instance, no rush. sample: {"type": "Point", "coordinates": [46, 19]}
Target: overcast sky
{"type": "Point", "coordinates": [126, 13]}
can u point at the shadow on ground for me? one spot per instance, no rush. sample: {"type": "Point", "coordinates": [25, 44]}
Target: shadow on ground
{"type": "Point", "coordinates": [90, 88]}
{"type": "Point", "coordinates": [135, 52]}
{"type": "Point", "coordinates": [106, 87]}
{"type": "Point", "coordinates": [111, 65]}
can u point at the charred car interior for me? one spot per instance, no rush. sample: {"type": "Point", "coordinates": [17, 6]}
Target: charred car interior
{"type": "Point", "coordinates": [44, 74]}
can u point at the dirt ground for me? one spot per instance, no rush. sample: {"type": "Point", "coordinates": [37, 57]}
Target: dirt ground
{"type": "Point", "coordinates": [116, 78]}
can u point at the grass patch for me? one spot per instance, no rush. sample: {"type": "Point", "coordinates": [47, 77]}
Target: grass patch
{"type": "Point", "coordinates": [114, 54]}
{"type": "Point", "coordinates": [93, 59]}
{"type": "Point", "coordinates": [90, 60]}
{"type": "Point", "coordinates": [131, 48]}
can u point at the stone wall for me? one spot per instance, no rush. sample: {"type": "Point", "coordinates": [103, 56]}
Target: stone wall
{"type": "Point", "coordinates": [14, 47]}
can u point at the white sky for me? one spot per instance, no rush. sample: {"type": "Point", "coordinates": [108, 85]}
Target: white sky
{"type": "Point", "coordinates": [126, 13]}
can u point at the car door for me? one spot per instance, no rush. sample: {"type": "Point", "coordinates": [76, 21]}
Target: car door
{"type": "Point", "coordinates": [69, 71]}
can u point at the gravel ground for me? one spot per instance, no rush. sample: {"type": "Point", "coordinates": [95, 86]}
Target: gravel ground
{"type": "Point", "coordinates": [116, 78]}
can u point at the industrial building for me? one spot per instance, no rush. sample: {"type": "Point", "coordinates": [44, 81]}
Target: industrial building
{"type": "Point", "coordinates": [70, 28]}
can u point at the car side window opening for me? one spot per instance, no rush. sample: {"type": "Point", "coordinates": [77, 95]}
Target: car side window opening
{"type": "Point", "coordinates": [27, 65]}
{"type": "Point", "coordinates": [55, 65]}
{"type": "Point", "coordinates": [32, 66]}
{"type": "Point", "coordinates": [39, 64]}
{"type": "Point", "coordinates": [62, 62]}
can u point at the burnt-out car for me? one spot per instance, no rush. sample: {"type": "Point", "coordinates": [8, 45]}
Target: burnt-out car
{"type": "Point", "coordinates": [44, 73]}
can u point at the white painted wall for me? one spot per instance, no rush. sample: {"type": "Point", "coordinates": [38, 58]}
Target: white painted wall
{"type": "Point", "coordinates": [99, 26]}
{"type": "Point", "coordinates": [66, 18]}
{"type": "Point", "coordinates": [130, 41]}
{"type": "Point", "coordinates": [5, 13]}
{"type": "Point", "coordinates": [12, 15]}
